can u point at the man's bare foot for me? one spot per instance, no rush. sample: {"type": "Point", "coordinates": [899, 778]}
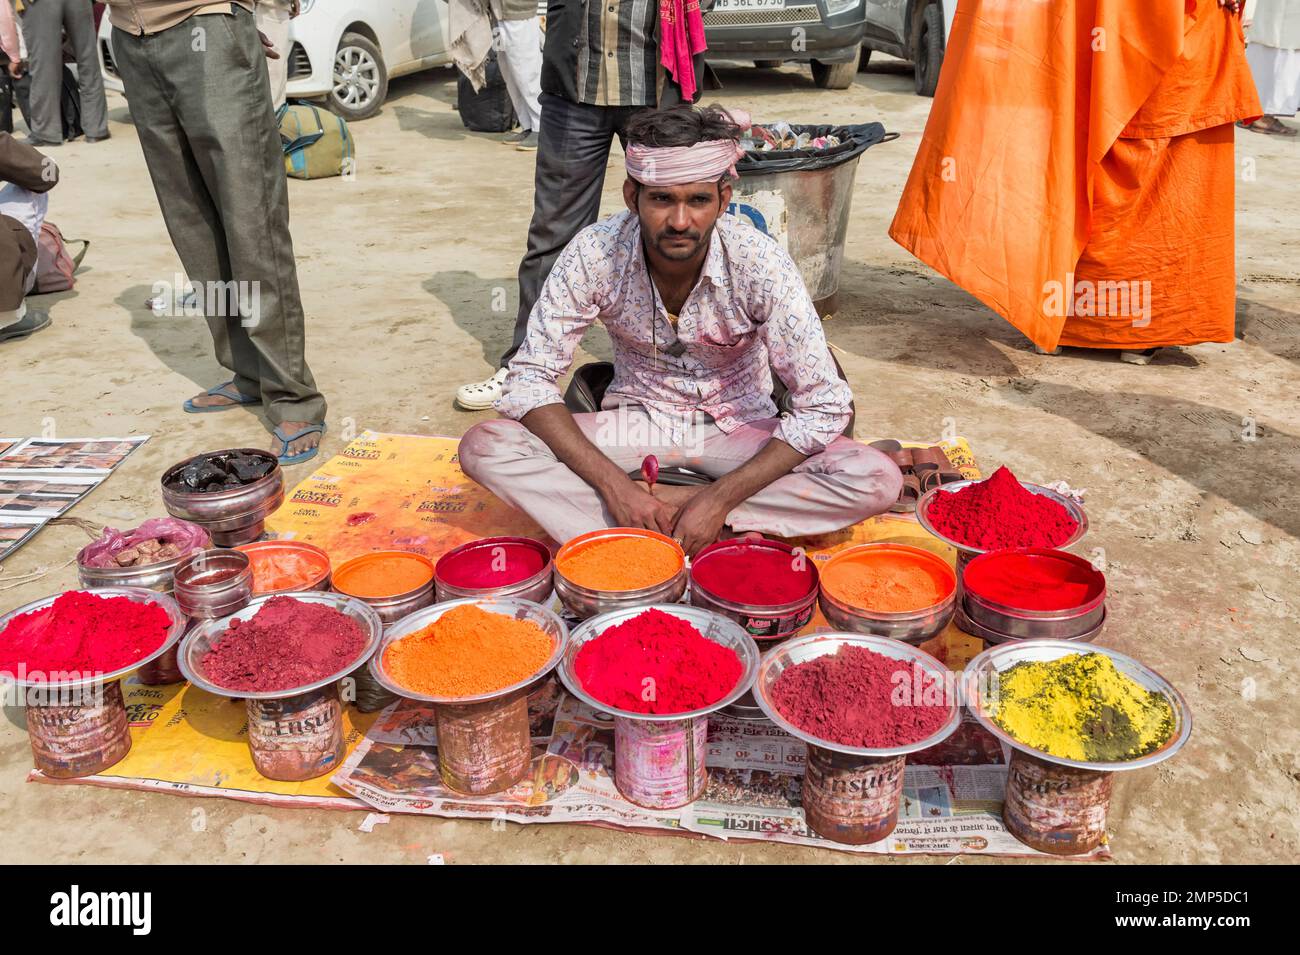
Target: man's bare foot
{"type": "Point", "coordinates": [305, 443]}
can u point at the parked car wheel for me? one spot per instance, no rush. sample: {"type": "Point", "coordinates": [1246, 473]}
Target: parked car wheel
{"type": "Point", "coordinates": [863, 59]}
{"type": "Point", "coordinates": [768, 64]}
{"type": "Point", "coordinates": [929, 51]}
{"type": "Point", "coordinates": [360, 79]}
{"type": "Point", "coordinates": [834, 76]}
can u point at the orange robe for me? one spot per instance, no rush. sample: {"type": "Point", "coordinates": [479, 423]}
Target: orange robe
{"type": "Point", "coordinates": [1076, 174]}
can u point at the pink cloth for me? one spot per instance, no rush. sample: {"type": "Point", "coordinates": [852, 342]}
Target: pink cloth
{"type": "Point", "coordinates": [677, 165]}
{"type": "Point", "coordinates": [681, 36]}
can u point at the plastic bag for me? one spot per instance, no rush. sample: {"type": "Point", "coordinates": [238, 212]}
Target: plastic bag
{"type": "Point", "coordinates": [853, 141]}
{"type": "Point", "coordinates": [174, 537]}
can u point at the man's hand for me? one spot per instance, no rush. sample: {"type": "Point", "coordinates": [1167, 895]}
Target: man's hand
{"type": "Point", "coordinates": [701, 520]}
{"type": "Point", "coordinates": [15, 69]}
{"type": "Point", "coordinates": [267, 47]}
{"type": "Point", "coordinates": [633, 507]}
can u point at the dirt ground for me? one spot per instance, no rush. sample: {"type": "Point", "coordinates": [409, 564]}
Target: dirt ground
{"type": "Point", "coordinates": [400, 268]}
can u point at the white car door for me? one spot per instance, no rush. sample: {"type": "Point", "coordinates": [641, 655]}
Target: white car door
{"type": "Point", "coordinates": [429, 28]}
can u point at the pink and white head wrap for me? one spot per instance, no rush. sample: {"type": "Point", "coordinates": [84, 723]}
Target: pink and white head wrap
{"type": "Point", "coordinates": [706, 161]}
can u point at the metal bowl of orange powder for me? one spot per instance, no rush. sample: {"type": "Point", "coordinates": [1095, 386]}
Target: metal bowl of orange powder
{"type": "Point", "coordinates": [618, 568]}
{"type": "Point", "coordinates": [473, 661]}
{"type": "Point", "coordinates": [286, 567]}
{"type": "Point", "coordinates": [890, 590]}
{"type": "Point", "coordinates": [394, 582]}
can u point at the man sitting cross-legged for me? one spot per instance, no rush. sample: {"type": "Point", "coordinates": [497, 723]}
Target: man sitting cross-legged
{"type": "Point", "coordinates": [701, 309]}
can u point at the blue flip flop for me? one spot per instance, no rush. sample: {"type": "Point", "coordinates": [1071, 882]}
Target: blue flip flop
{"type": "Point", "coordinates": [240, 400]}
{"type": "Point", "coordinates": [284, 456]}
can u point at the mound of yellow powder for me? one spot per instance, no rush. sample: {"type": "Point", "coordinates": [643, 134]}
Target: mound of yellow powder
{"type": "Point", "coordinates": [1080, 707]}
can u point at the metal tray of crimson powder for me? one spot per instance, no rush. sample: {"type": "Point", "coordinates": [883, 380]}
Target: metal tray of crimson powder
{"type": "Point", "coordinates": [965, 551]}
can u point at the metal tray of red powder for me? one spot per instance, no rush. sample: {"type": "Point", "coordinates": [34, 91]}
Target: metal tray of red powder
{"type": "Point", "coordinates": [174, 632]}
{"type": "Point", "coordinates": [201, 639]}
{"type": "Point", "coordinates": [712, 626]}
{"type": "Point", "coordinates": [978, 681]}
{"type": "Point", "coordinates": [514, 607]}
{"type": "Point", "coordinates": [1072, 506]}
{"type": "Point", "coordinates": [802, 649]}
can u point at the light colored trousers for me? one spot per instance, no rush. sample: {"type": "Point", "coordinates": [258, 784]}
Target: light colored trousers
{"type": "Point", "coordinates": [519, 54]}
{"type": "Point", "coordinates": [272, 18]}
{"type": "Point", "coordinates": [846, 483]}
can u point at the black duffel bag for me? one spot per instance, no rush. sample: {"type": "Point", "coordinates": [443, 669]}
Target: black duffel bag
{"type": "Point", "coordinates": [489, 110]}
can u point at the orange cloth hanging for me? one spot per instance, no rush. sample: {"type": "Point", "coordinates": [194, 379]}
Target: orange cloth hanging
{"type": "Point", "coordinates": [1076, 173]}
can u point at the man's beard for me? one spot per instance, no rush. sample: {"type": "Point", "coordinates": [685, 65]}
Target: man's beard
{"type": "Point", "coordinates": [679, 254]}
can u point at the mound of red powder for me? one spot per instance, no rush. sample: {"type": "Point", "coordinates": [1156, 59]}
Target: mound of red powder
{"type": "Point", "coordinates": [82, 633]}
{"type": "Point", "coordinates": [656, 663]}
{"type": "Point", "coordinates": [1001, 513]}
{"type": "Point", "coordinates": [287, 644]}
{"type": "Point", "coordinates": [860, 698]}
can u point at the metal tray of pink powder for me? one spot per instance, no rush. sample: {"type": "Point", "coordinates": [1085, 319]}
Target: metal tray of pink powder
{"type": "Point", "coordinates": [965, 551]}
{"type": "Point", "coordinates": [712, 626]}
{"type": "Point", "coordinates": [803, 649]}
{"type": "Point", "coordinates": [979, 680]}
{"type": "Point", "coordinates": [174, 632]}
{"type": "Point", "coordinates": [208, 633]}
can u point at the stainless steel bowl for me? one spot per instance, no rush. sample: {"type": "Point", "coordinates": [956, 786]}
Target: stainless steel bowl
{"type": "Point", "coordinates": [209, 633]}
{"type": "Point", "coordinates": [1030, 625]}
{"type": "Point", "coordinates": [236, 516]}
{"type": "Point", "coordinates": [990, 636]}
{"type": "Point", "coordinates": [509, 606]}
{"type": "Point", "coordinates": [536, 587]}
{"type": "Point", "coordinates": [914, 626]}
{"type": "Point", "coordinates": [966, 552]}
{"type": "Point", "coordinates": [147, 576]}
{"type": "Point", "coordinates": [177, 619]}
{"type": "Point", "coordinates": [319, 582]}
{"type": "Point", "coordinates": [763, 622]}
{"type": "Point", "coordinates": [584, 602]}
{"type": "Point", "coordinates": [979, 678]}
{"type": "Point", "coordinates": [210, 600]}
{"type": "Point", "coordinates": [394, 607]}
{"type": "Point", "coordinates": [802, 649]}
{"type": "Point", "coordinates": [711, 626]}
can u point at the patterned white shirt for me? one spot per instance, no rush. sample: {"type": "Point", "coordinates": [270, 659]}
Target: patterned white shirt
{"type": "Point", "coordinates": [749, 310]}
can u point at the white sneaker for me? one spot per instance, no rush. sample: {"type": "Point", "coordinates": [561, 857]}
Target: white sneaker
{"type": "Point", "coordinates": [480, 395]}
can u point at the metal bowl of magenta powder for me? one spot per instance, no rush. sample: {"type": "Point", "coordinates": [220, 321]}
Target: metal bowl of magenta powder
{"type": "Point", "coordinates": [981, 689]}
{"type": "Point", "coordinates": [200, 641]}
{"type": "Point", "coordinates": [709, 625]}
{"type": "Point", "coordinates": [923, 680]}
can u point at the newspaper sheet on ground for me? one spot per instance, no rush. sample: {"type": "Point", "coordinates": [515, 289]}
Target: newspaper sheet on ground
{"type": "Point", "coordinates": [952, 795]}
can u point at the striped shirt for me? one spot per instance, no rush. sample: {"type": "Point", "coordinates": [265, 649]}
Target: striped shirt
{"type": "Point", "coordinates": [618, 55]}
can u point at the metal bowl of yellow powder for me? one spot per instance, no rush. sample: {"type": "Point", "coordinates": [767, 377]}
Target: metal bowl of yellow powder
{"type": "Point", "coordinates": [1086, 707]}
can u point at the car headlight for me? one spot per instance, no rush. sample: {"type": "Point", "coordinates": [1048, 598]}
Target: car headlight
{"type": "Point", "coordinates": [836, 7]}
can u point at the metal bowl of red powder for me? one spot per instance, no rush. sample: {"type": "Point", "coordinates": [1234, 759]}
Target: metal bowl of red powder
{"type": "Point", "coordinates": [585, 599]}
{"type": "Point", "coordinates": [980, 677]}
{"type": "Point", "coordinates": [175, 629]}
{"type": "Point", "coordinates": [766, 586]}
{"type": "Point", "coordinates": [715, 627]}
{"type": "Point", "coordinates": [514, 607]}
{"type": "Point", "coordinates": [930, 679]}
{"type": "Point", "coordinates": [966, 551]}
{"type": "Point", "coordinates": [207, 634]}
{"type": "Point", "coordinates": [495, 567]}
{"type": "Point", "coordinates": [1034, 593]}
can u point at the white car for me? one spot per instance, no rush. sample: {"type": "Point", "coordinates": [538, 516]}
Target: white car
{"type": "Point", "coordinates": [347, 50]}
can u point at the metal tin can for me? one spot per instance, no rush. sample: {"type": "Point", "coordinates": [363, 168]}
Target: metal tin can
{"type": "Point", "coordinates": [484, 747]}
{"type": "Point", "coordinates": [296, 737]}
{"type": "Point", "coordinates": [659, 764]}
{"type": "Point", "coordinates": [1054, 808]}
{"type": "Point", "coordinates": [77, 731]}
{"type": "Point", "coordinates": [235, 516]}
{"type": "Point", "coordinates": [535, 587]}
{"type": "Point", "coordinates": [320, 581]}
{"type": "Point", "coordinates": [851, 799]}
{"type": "Point", "coordinates": [211, 584]}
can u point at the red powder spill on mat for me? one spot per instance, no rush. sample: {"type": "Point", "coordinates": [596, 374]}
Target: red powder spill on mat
{"type": "Point", "coordinates": [847, 697]}
{"type": "Point", "coordinates": [749, 574]}
{"type": "Point", "coordinates": [689, 671]}
{"type": "Point", "coordinates": [1001, 513]}
{"type": "Point", "coordinates": [1032, 581]}
{"type": "Point", "coordinates": [84, 633]}
{"type": "Point", "coordinates": [288, 643]}
{"type": "Point", "coordinates": [474, 569]}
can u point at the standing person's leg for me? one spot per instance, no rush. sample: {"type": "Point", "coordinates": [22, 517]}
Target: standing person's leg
{"type": "Point", "coordinates": [43, 30]}
{"type": "Point", "coordinates": [79, 21]}
{"type": "Point", "coordinates": [520, 57]}
{"type": "Point", "coordinates": [573, 149]}
{"type": "Point", "coordinates": [272, 17]}
{"type": "Point", "coordinates": [185, 199]}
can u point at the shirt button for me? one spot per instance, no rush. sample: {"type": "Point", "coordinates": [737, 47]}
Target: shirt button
{"type": "Point", "coordinates": [610, 53]}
